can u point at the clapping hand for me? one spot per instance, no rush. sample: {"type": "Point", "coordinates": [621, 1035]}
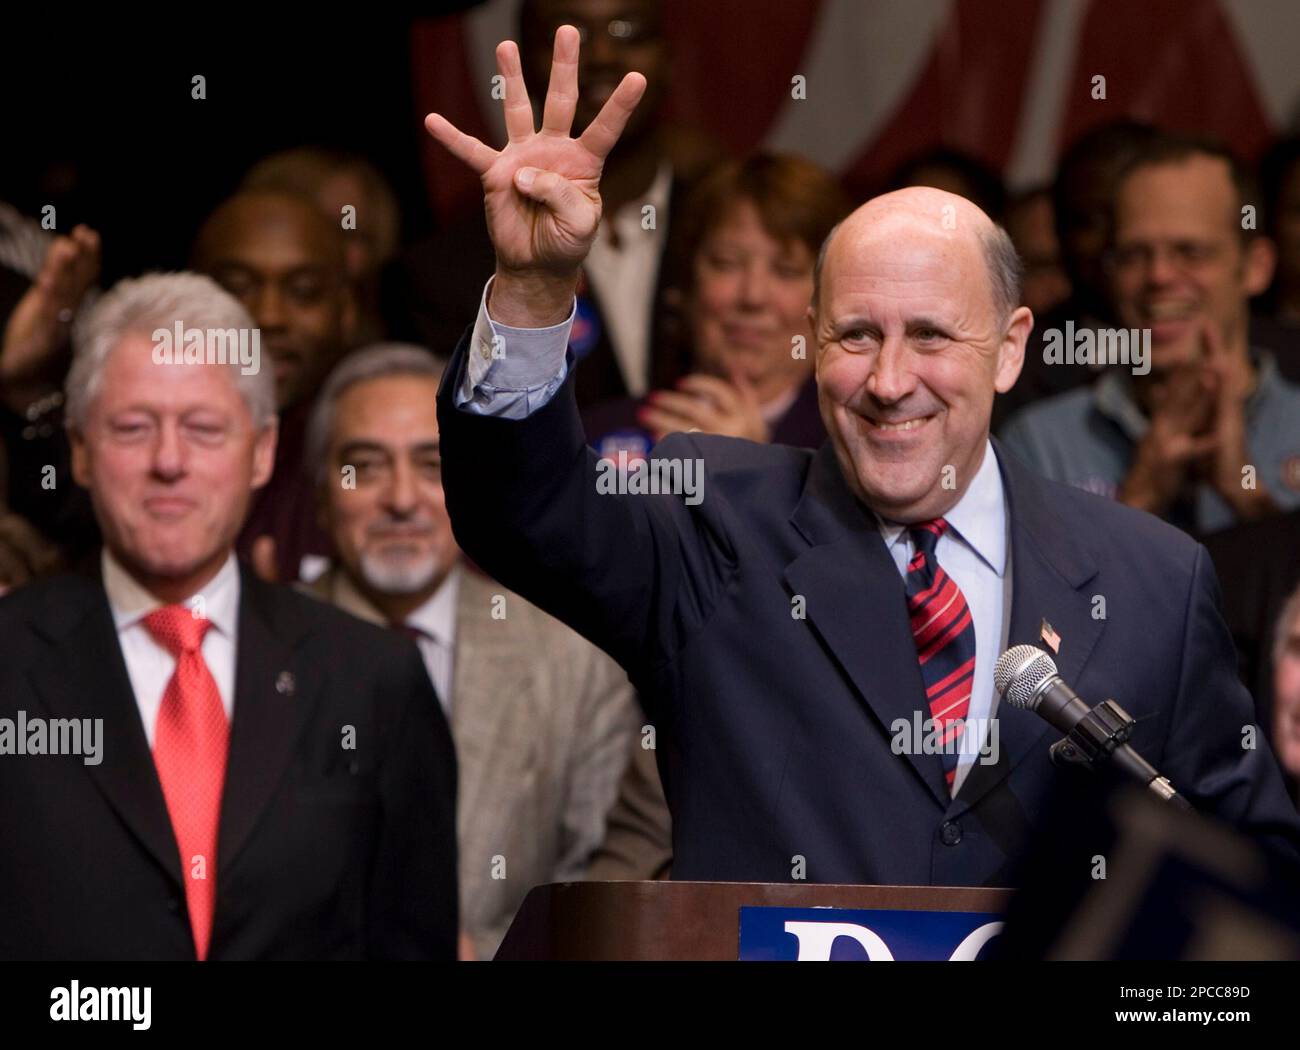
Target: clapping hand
{"type": "Point", "coordinates": [1228, 380]}
{"type": "Point", "coordinates": [707, 403]}
{"type": "Point", "coordinates": [39, 324]}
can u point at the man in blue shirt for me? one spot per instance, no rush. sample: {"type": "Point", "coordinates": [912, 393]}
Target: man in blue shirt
{"type": "Point", "coordinates": [1205, 433]}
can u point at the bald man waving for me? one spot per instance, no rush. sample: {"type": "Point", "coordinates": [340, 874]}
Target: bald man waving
{"type": "Point", "coordinates": [814, 634]}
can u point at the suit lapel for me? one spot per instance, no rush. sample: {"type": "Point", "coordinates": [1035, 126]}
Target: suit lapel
{"type": "Point", "coordinates": [493, 706]}
{"type": "Point", "coordinates": [856, 602]}
{"type": "Point", "coordinates": [86, 677]}
{"type": "Point", "coordinates": [331, 587]}
{"type": "Point", "coordinates": [275, 690]}
{"type": "Point", "coordinates": [1050, 566]}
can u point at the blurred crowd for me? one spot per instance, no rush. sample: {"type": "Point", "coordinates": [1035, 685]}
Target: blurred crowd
{"type": "Point", "coordinates": [692, 314]}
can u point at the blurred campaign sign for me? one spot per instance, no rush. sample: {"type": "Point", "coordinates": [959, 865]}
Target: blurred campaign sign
{"type": "Point", "coordinates": [848, 935]}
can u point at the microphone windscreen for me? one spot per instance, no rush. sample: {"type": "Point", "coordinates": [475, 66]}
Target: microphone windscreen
{"type": "Point", "coordinates": [1019, 673]}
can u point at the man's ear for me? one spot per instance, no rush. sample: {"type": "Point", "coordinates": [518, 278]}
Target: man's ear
{"type": "Point", "coordinates": [1011, 352]}
{"type": "Point", "coordinates": [812, 327]}
{"type": "Point", "coordinates": [1258, 267]}
{"type": "Point", "coordinates": [264, 452]}
{"type": "Point", "coordinates": [80, 457]}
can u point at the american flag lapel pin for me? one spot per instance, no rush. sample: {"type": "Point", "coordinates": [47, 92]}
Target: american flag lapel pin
{"type": "Point", "coordinates": [1050, 637]}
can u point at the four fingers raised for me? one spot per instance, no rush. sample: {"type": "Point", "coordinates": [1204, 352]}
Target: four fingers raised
{"type": "Point", "coordinates": [561, 103]}
{"type": "Point", "coordinates": [464, 147]}
{"type": "Point", "coordinates": [562, 94]}
{"type": "Point", "coordinates": [518, 109]}
{"type": "Point", "coordinates": [603, 132]}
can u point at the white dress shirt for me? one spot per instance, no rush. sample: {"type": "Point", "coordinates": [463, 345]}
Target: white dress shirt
{"type": "Point", "coordinates": [975, 552]}
{"type": "Point", "coordinates": [149, 664]}
{"type": "Point", "coordinates": [436, 622]}
{"type": "Point", "coordinates": [624, 278]}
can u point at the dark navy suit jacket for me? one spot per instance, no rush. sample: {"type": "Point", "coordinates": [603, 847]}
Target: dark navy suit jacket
{"type": "Point", "coordinates": [773, 731]}
{"type": "Point", "coordinates": [324, 852]}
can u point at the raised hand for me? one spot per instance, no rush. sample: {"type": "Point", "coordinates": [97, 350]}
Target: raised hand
{"type": "Point", "coordinates": [1181, 410]}
{"type": "Point", "coordinates": [1230, 381]}
{"type": "Point", "coordinates": [542, 191]}
{"type": "Point", "coordinates": [39, 324]}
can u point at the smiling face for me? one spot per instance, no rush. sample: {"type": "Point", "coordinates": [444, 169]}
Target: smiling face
{"type": "Point", "coordinates": [618, 37]}
{"type": "Point", "coordinates": [280, 257]}
{"type": "Point", "coordinates": [911, 348]}
{"type": "Point", "coordinates": [1179, 258]}
{"type": "Point", "coordinates": [749, 299]}
{"type": "Point", "coordinates": [391, 530]}
{"type": "Point", "coordinates": [171, 458]}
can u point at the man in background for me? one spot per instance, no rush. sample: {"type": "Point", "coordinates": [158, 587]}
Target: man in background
{"type": "Point", "coordinates": [1204, 432]}
{"type": "Point", "coordinates": [1082, 206]}
{"type": "Point", "coordinates": [542, 719]}
{"type": "Point", "coordinates": [626, 283]}
{"type": "Point", "coordinates": [353, 193]}
{"type": "Point", "coordinates": [280, 256]}
{"type": "Point", "coordinates": [1030, 223]}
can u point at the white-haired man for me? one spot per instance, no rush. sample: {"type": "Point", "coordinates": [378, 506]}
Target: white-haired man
{"type": "Point", "coordinates": [266, 778]}
{"type": "Point", "coordinates": [542, 718]}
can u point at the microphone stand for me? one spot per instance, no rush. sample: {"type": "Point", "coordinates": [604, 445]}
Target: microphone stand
{"type": "Point", "coordinates": [1092, 742]}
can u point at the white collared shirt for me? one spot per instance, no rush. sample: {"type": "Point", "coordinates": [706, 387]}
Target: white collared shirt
{"type": "Point", "coordinates": [624, 279]}
{"type": "Point", "coordinates": [149, 664]}
{"type": "Point", "coordinates": [975, 552]}
{"type": "Point", "coordinates": [436, 621]}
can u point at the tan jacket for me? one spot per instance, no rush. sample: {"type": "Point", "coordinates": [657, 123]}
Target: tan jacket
{"type": "Point", "coordinates": [542, 722]}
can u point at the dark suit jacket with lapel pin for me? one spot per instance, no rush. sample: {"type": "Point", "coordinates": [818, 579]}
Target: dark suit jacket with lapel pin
{"type": "Point", "coordinates": [775, 729]}
{"type": "Point", "coordinates": [323, 852]}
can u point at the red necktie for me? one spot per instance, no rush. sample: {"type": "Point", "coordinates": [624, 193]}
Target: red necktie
{"type": "Point", "coordinates": [945, 639]}
{"type": "Point", "coordinates": [189, 750]}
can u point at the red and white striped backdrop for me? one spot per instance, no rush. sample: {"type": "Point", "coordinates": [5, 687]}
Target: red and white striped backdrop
{"type": "Point", "coordinates": [1006, 80]}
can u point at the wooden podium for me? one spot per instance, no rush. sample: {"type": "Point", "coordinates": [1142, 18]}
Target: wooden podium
{"type": "Point", "coordinates": [623, 921]}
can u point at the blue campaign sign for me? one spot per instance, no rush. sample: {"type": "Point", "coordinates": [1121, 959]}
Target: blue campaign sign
{"type": "Point", "coordinates": [849, 934]}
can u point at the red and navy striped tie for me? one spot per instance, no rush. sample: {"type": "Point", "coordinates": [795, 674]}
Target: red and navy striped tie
{"type": "Point", "coordinates": [945, 639]}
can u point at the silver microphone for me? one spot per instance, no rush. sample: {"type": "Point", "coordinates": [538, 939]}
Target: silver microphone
{"type": "Point", "coordinates": [1026, 677]}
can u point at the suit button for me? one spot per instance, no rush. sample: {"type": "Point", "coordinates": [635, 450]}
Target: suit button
{"type": "Point", "coordinates": [173, 904]}
{"type": "Point", "coordinates": [950, 833]}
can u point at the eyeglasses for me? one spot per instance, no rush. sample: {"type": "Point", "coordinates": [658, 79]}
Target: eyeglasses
{"type": "Point", "coordinates": [1186, 256]}
{"type": "Point", "coordinates": [622, 30]}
